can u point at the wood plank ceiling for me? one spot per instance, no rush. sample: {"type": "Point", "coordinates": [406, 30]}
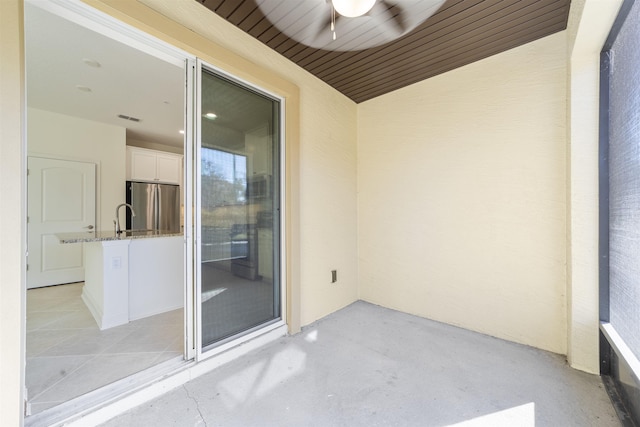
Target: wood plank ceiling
{"type": "Point", "coordinates": [458, 33]}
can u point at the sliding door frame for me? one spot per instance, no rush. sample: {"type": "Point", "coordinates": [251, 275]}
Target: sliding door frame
{"type": "Point", "coordinates": [189, 175]}
{"type": "Point", "coordinates": [269, 326]}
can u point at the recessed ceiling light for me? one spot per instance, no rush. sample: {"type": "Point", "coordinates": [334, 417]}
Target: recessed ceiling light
{"type": "Point", "coordinates": [83, 88]}
{"type": "Point", "coordinates": [211, 116]}
{"type": "Point", "coordinates": [91, 62]}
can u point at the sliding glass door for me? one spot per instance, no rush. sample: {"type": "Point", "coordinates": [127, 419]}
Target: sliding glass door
{"type": "Point", "coordinates": [239, 209]}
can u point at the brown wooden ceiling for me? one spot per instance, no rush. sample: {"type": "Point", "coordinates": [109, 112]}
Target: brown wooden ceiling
{"type": "Point", "coordinates": [459, 33]}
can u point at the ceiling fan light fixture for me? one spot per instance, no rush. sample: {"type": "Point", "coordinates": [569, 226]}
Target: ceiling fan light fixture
{"type": "Point", "coordinates": [352, 8]}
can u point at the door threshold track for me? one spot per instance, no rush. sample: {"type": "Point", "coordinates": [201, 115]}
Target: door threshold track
{"type": "Point", "coordinates": [80, 406]}
{"type": "Point", "coordinates": [101, 405]}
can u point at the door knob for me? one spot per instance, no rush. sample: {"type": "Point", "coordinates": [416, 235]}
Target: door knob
{"type": "Point", "coordinates": [90, 227]}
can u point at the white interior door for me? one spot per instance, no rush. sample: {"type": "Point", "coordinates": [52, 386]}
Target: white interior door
{"type": "Point", "coordinates": [61, 199]}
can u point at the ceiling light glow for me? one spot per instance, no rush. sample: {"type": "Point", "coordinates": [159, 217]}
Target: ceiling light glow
{"type": "Point", "coordinates": [211, 116]}
{"type": "Point", "coordinates": [181, 132]}
{"type": "Point", "coordinates": [353, 8]}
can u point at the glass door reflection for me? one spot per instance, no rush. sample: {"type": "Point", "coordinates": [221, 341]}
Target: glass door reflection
{"type": "Point", "coordinates": [239, 215]}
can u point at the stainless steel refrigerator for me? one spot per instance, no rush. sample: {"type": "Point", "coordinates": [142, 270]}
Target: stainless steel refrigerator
{"type": "Point", "coordinates": [157, 206]}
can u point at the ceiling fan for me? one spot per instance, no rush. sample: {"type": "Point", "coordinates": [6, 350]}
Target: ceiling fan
{"type": "Point", "coordinates": [347, 25]}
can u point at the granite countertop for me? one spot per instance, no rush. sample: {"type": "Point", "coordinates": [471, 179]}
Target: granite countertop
{"type": "Point", "coordinates": [101, 236]}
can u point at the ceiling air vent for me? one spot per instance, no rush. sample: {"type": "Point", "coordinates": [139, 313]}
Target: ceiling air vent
{"type": "Point", "coordinates": [133, 119]}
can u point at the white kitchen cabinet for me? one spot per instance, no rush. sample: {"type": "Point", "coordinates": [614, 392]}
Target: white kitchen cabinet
{"type": "Point", "coordinates": [153, 166]}
{"type": "Point", "coordinates": [259, 145]}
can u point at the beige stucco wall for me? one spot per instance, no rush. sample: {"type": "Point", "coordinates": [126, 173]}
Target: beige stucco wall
{"type": "Point", "coordinates": [12, 213]}
{"type": "Point", "coordinates": [462, 197]}
{"type": "Point", "coordinates": [60, 136]}
{"type": "Point", "coordinates": [589, 25]}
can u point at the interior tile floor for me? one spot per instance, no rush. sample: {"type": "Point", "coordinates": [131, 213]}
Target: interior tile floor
{"type": "Point", "coordinates": [68, 355]}
{"type": "Point", "coordinates": [370, 366]}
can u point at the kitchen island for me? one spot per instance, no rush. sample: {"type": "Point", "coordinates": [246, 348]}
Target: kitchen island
{"type": "Point", "coordinates": [132, 275]}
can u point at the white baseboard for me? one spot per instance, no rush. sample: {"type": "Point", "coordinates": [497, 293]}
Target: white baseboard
{"type": "Point", "coordinates": [102, 321]}
{"type": "Point", "coordinates": [153, 313]}
{"type": "Point", "coordinates": [92, 306]}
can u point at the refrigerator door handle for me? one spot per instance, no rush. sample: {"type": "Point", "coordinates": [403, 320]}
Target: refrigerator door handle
{"type": "Point", "coordinates": [156, 210]}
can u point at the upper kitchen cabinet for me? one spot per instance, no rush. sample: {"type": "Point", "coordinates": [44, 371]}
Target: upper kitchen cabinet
{"type": "Point", "coordinates": [153, 166]}
{"type": "Point", "coordinates": [259, 149]}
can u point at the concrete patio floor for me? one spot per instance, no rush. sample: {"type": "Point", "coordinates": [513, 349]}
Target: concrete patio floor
{"type": "Point", "coordinates": [370, 366]}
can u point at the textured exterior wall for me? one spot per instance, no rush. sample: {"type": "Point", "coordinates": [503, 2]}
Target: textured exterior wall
{"type": "Point", "coordinates": [588, 27]}
{"type": "Point", "coordinates": [462, 196]}
{"type": "Point", "coordinates": [12, 213]}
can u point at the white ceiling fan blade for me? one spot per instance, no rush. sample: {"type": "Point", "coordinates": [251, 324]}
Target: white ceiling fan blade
{"type": "Point", "coordinates": [305, 21]}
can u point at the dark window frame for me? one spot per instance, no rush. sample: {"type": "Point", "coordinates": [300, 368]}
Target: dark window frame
{"type": "Point", "coordinates": [612, 364]}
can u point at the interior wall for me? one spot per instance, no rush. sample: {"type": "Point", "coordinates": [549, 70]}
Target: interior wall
{"type": "Point", "coordinates": [71, 138]}
{"type": "Point", "coordinates": [327, 165]}
{"type": "Point", "coordinates": [462, 196]}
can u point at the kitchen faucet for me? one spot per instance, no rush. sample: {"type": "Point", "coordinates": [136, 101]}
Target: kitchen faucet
{"type": "Point", "coordinates": [117, 220]}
